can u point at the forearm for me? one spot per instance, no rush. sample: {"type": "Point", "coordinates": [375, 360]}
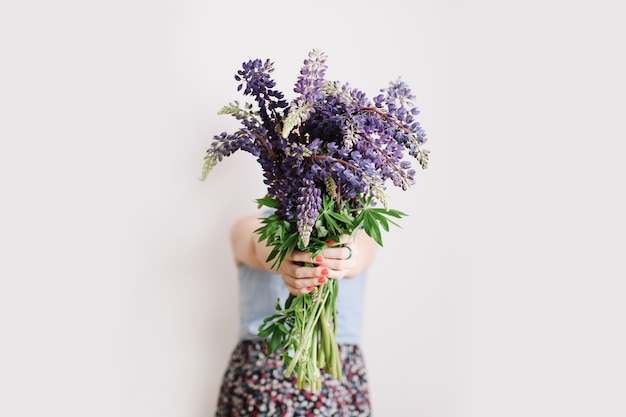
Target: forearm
{"type": "Point", "coordinates": [246, 247]}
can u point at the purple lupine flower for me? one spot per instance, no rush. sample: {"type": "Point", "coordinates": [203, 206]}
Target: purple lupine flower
{"type": "Point", "coordinates": [308, 208]}
{"type": "Point", "coordinates": [311, 80]}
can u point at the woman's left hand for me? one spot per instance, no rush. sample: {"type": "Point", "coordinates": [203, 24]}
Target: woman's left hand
{"type": "Point", "coordinates": [341, 257]}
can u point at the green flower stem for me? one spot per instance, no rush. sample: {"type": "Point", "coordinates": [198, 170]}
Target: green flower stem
{"type": "Point", "coordinates": [321, 357]}
{"type": "Point", "coordinates": [305, 341]}
{"type": "Point", "coordinates": [327, 342]}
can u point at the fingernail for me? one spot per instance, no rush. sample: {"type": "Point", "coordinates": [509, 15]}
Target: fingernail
{"type": "Point", "coordinates": [310, 288]}
{"type": "Point", "coordinates": [329, 242]}
{"type": "Point", "coordinates": [321, 280]}
{"type": "Point", "coordinates": [319, 259]}
{"type": "Point", "coordinates": [324, 271]}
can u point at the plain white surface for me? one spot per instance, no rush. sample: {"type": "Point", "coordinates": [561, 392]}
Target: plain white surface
{"type": "Point", "coordinates": [502, 293]}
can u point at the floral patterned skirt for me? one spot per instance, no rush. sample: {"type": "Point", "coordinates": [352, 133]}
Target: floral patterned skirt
{"type": "Point", "coordinates": [254, 385]}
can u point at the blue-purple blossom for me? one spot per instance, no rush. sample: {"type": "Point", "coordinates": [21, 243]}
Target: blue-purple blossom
{"type": "Point", "coordinates": [308, 208]}
{"type": "Point", "coordinates": [331, 139]}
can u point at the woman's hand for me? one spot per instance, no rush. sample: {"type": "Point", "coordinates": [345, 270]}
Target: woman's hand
{"type": "Point", "coordinates": [335, 262]}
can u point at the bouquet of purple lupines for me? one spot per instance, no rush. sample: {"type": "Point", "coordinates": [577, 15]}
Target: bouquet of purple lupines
{"type": "Point", "coordinates": [326, 157]}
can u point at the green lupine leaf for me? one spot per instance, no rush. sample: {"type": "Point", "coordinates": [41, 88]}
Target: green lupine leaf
{"type": "Point", "coordinates": [274, 342]}
{"type": "Point", "coordinates": [391, 212]}
{"type": "Point", "coordinates": [288, 302]}
{"type": "Point", "coordinates": [264, 333]}
{"type": "Point", "coordinates": [332, 223]}
{"type": "Point", "coordinates": [271, 318]}
{"type": "Point", "coordinates": [273, 254]}
{"type": "Point", "coordinates": [382, 219]}
{"type": "Point", "coordinates": [342, 218]}
{"type": "Point", "coordinates": [289, 241]}
{"type": "Point", "coordinates": [282, 328]}
{"type": "Point", "coordinates": [371, 228]}
{"type": "Point", "coordinates": [269, 202]}
{"type": "Point", "coordinates": [380, 213]}
{"type": "Point", "coordinates": [383, 222]}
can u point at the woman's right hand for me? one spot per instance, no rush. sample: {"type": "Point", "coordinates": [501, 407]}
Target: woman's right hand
{"type": "Point", "coordinates": [301, 279]}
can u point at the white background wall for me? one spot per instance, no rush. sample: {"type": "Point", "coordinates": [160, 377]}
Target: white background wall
{"type": "Point", "coordinates": [501, 295]}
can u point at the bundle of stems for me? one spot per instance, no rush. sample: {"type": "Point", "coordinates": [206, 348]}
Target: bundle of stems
{"type": "Point", "coordinates": [317, 348]}
{"type": "Point", "coordinates": [304, 330]}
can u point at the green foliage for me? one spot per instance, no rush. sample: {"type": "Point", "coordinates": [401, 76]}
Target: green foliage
{"type": "Point", "coordinates": [303, 329]}
{"type": "Point", "coordinates": [332, 221]}
{"type": "Point", "coordinates": [372, 219]}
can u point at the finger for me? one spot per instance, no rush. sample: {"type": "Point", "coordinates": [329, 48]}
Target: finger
{"type": "Point", "coordinates": [308, 257]}
{"type": "Point", "coordinates": [299, 271]}
{"type": "Point", "coordinates": [340, 253]}
{"type": "Point", "coordinates": [339, 272]}
{"type": "Point", "coordinates": [303, 286]}
{"type": "Point", "coordinates": [306, 272]}
{"type": "Point", "coordinates": [303, 276]}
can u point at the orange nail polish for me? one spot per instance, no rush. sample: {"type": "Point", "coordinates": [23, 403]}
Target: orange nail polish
{"type": "Point", "coordinates": [319, 259]}
{"type": "Point", "coordinates": [321, 280]}
{"type": "Point", "coordinates": [310, 288]}
{"type": "Point", "coordinates": [324, 271]}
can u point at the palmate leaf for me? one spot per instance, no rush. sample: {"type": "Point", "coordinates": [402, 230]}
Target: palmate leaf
{"type": "Point", "coordinates": [288, 302]}
{"type": "Point", "coordinates": [371, 226]}
{"type": "Point", "coordinates": [347, 221]}
{"type": "Point", "coordinates": [282, 249]}
{"type": "Point", "coordinates": [382, 220]}
{"type": "Point", "coordinates": [391, 212]}
{"type": "Point", "coordinates": [379, 214]}
{"type": "Point", "coordinates": [265, 331]}
{"type": "Point", "coordinates": [331, 223]}
{"type": "Point", "coordinates": [268, 201]}
{"type": "Point", "coordinates": [276, 327]}
{"type": "Point", "coordinates": [275, 341]}
{"type": "Point", "coordinates": [278, 234]}
{"type": "Point", "coordinates": [372, 219]}
{"type": "Point", "coordinates": [335, 222]}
